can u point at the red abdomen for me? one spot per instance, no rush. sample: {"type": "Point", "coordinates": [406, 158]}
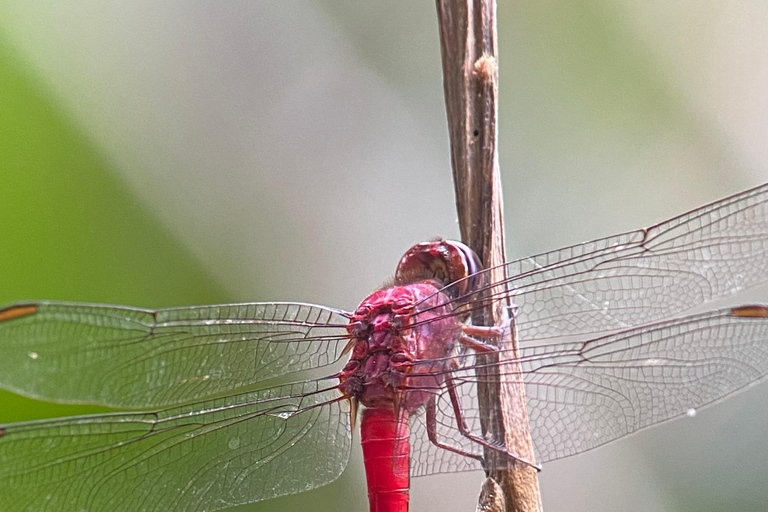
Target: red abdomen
{"type": "Point", "coordinates": [386, 456]}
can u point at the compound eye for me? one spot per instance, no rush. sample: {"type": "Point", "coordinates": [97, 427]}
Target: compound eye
{"type": "Point", "coordinates": [445, 261]}
{"type": "Point", "coordinates": [472, 262]}
{"type": "Point", "coordinates": [472, 279]}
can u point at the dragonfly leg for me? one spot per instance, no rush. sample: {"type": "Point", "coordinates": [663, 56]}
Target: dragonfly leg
{"type": "Point", "coordinates": [432, 433]}
{"type": "Point", "coordinates": [478, 346]}
{"type": "Point", "coordinates": [483, 331]}
{"type": "Point", "coordinates": [470, 334]}
{"type": "Point", "coordinates": [462, 425]}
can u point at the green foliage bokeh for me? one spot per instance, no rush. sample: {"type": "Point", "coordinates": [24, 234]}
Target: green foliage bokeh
{"type": "Point", "coordinates": [69, 228]}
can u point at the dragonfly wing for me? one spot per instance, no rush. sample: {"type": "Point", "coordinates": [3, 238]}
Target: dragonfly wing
{"type": "Point", "coordinates": [207, 455]}
{"type": "Point", "coordinates": [643, 276]}
{"type": "Point", "coordinates": [126, 357]}
{"type": "Point", "coordinates": [426, 457]}
{"type": "Point", "coordinates": [583, 395]}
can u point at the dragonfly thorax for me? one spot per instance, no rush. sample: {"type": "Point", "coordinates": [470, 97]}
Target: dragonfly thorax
{"type": "Point", "coordinates": [396, 331]}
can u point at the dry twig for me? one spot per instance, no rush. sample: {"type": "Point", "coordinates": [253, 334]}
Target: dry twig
{"type": "Point", "coordinates": [470, 79]}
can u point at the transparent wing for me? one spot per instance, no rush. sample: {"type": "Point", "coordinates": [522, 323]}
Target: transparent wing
{"type": "Point", "coordinates": [609, 387]}
{"type": "Point", "coordinates": [126, 357]}
{"type": "Point", "coordinates": [582, 395]}
{"type": "Point", "coordinates": [429, 459]}
{"type": "Point", "coordinates": [642, 276]}
{"type": "Point", "coordinates": [200, 457]}
{"type": "Point", "coordinates": [645, 275]}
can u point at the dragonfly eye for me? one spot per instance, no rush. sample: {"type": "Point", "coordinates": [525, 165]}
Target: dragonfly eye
{"type": "Point", "coordinates": [445, 261]}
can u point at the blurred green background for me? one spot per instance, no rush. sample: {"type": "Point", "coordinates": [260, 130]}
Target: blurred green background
{"type": "Point", "coordinates": [158, 154]}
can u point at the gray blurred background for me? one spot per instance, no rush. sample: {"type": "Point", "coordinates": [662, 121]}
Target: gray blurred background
{"type": "Point", "coordinates": [176, 152]}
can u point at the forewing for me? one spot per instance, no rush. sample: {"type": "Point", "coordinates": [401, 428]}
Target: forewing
{"type": "Point", "coordinates": [126, 357]}
{"type": "Point", "coordinates": [204, 456]}
{"type": "Point", "coordinates": [645, 275]}
{"type": "Point", "coordinates": [638, 277]}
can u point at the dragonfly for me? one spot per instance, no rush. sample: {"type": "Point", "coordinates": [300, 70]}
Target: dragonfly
{"type": "Point", "coordinates": [236, 403]}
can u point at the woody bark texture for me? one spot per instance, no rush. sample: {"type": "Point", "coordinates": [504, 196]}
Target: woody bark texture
{"type": "Point", "coordinates": [470, 80]}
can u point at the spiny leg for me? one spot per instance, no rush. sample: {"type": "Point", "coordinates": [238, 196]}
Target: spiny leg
{"type": "Point", "coordinates": [432, 432]}
{"type": "Point", "coordinates": [464, 430]}
{"type": "Point", "coordinates": [470, 333]}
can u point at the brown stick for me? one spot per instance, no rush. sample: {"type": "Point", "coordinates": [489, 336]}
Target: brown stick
{"type": "Point", "coordinates": [470, 80]}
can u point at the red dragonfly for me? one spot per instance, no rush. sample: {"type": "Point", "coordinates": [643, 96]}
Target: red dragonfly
{"type": "Point", "coordinates": [602, 354]}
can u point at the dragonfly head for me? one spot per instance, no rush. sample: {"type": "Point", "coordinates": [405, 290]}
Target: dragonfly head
{"type": "Point", "coordinates": [452, 264]}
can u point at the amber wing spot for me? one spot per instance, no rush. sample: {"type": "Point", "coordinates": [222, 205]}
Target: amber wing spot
{"type": "Point", "coordinates": [751, 311]}
{"type": "Point", "coordinates": [2, 432]}
{"type": "Point", "coordinates": [17, 312]}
